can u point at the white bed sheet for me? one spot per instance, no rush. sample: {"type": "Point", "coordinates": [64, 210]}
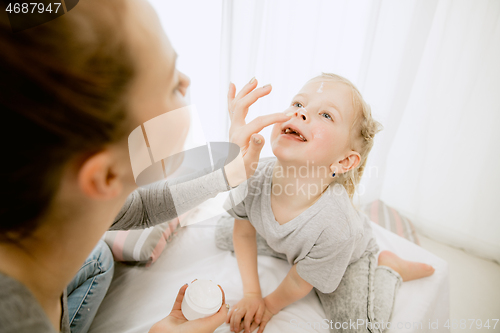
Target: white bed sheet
{"type": "Point", "coordinates": [138, 296]}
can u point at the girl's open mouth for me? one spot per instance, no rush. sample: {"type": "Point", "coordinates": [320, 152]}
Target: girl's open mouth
{"type": "Point", "coordinates": [293, 134]}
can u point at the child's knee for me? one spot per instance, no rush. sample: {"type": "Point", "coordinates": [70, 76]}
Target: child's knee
{"type": "Point", "coordinates": [104, 257]}
{"type": "Point", "coordinates": [224, 234]}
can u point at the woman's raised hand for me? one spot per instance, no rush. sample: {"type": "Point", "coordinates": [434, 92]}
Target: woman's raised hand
{"type": "Point", "coordinates": [175, 322]}
{"type": "Point", "coordinates": [247, 136]}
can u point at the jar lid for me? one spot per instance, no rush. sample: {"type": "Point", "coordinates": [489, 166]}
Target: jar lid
{"type": "Point", "coordinates": [205, 296]}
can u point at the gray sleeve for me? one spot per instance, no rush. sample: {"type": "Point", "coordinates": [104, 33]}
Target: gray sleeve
{"type": "Point", "coordinates": [235, 202]}
{"type": "Point", "coordinates": [239, 202]}
{"type": "Point", "coordinates": [325, 264]}
{"type": "Point", "coordinates": [165, 200]}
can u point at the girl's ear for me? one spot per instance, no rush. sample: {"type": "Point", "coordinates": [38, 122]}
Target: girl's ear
{"type": "Point", "coordinates": [350, 162]}
{"type": "Point", "coordinates": [97, 177]}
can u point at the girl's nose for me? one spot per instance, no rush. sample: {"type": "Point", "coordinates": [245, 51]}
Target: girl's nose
{"type": "Point", "coordinates": [302, 113]}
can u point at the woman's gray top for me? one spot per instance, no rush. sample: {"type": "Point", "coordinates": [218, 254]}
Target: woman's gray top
{"type": "Point", "coordinates": [20, 312]}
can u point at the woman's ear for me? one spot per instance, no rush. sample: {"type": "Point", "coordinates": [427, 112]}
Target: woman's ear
{"type": "Point", "coordinates": [97, 177]}
{"type": "Point", "coordinates": [350, 162]}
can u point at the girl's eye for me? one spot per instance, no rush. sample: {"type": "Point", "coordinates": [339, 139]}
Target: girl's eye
{"type": "Point", "coordinates": [297, 104]}
{"type": "Point", "coordinates": [327, 116]}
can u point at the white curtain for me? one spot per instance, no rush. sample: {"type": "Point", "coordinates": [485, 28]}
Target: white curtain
{"type": "Point", "coordinates": [429, 69]}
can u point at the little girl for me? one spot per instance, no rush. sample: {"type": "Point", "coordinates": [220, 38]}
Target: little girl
{"type": "Point", "coordinates": [298, 207]}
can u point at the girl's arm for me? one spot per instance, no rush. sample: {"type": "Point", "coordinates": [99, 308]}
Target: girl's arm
{"type": "Point", "coordinates": [245, 248]}
{"type": "Point", "coordinates": [248, 311]}
{"type": "Point", "coordinates": [291, 289]}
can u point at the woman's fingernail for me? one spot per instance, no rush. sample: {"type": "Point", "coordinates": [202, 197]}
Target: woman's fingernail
{"type": "Point", "coordinates": [289, 114]}
{"type": "Point", "coordinates": [267, 85]}
{"type": "Point", "coordinates": [256, 140]}
{"type": "Point", "coordinates": [252, 80]}
{"type": "Point", "coordinates": [227, 306]}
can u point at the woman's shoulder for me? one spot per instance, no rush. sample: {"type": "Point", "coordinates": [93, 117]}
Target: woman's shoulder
{"type": "Point", "coordinates": [19, 309]}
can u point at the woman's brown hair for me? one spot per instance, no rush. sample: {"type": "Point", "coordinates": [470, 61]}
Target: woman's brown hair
{"type": "Point", "coordinates": [63, 92]}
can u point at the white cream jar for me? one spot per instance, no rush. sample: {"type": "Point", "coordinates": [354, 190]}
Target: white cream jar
{"type": "Point", "coordinates": [202, 298]}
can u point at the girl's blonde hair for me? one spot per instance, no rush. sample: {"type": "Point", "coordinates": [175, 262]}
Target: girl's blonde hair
{"type": "Point", "coordinates": [362, 131]}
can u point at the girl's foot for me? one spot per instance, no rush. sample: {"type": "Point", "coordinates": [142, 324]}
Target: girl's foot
{"type": "Point", "coordinates": [409, 270]}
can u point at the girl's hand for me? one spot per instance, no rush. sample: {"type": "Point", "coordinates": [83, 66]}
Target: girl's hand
{"type": "Point", "coordinates": [175, 322]}
{"type": "Point", "coordinates": [250, 306]}
{"type": "Point", "coordinates": [267, 315]}
{"type": "Point", "coordinates": [246, 135]}
{"type": "Point", "coordinates": [265, 319]}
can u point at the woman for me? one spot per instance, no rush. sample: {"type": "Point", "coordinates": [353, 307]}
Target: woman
{"type": "Point", "coordinates": [72, 90]}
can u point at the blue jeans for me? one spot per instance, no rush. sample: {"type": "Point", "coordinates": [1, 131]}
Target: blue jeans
{"type": "Point", "coordinates": [88, 288]}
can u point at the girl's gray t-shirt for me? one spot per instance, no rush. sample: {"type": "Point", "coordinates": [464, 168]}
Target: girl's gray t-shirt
{"type": "Point", "coordinates": [323, 240]}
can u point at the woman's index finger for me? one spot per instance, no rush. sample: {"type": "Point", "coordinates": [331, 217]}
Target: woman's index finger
{"type": "Point", "coordinates": [261, 122]}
